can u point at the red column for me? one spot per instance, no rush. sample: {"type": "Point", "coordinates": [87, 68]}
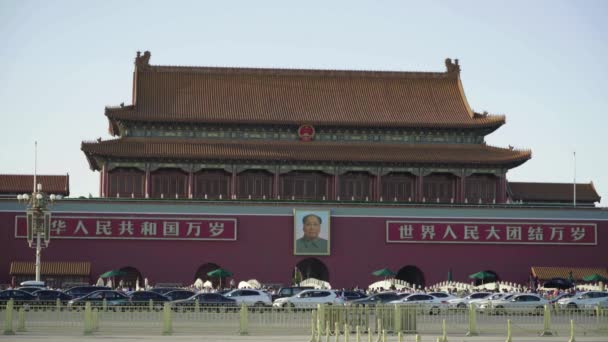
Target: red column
{"type": "Point", "coordinates": [420, 188]}
{"type": "Point", "coordinates": [233, 183]}
{"type": "Point", "coordinates": [190, 184]}
{"type": "Point", "coordinates": [102, 180]}
{"type": "Point", "coordinates": [378, 193]}
{"type": "Point", "coordinates": [336, 186]}
{"type": "Point", "coordinates": [147, 195]}
{"type": "Point", "coordinates": [463, 189]}
{"type": "Point", "coordinates": [275, 184]}
{"type": "Point", "coordinates": [502, 189]}
{"type": "Point", "coordinates": [106, 185]}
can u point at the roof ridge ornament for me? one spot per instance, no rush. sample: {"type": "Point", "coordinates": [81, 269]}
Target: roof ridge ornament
{"type": "Point", "coordinates": [142, 62]}
{"type": "Point", "coordinates": [452, 67]}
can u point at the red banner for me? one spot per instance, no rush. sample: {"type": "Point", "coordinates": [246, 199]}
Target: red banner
{"type": "Point", "coordinates": [139, 228]}
{"type": "Point", "coordinates": [489, 232]}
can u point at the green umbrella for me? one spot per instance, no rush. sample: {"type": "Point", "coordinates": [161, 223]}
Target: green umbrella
{"type": "Point", "coordinates": [595, 278]}
{"type": "Point", "coordinates": [385, 272]}
{"type": "Point", "coordinates": [483, 276]}
{"type": "Point", "coordinates": [220, 273]}
{"type": "Point", "coordinates": [113, 273]}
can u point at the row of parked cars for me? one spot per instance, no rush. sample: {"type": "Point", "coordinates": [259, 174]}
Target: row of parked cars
{"type": "Point", "coordinates": [295, 297]}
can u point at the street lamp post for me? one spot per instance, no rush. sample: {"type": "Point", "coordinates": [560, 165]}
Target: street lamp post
{"type": "Point", "coordinates": [38, 221]}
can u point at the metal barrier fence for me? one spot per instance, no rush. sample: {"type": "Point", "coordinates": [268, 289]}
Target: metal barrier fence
{"type": "Point", "coordinates": [319, 322]}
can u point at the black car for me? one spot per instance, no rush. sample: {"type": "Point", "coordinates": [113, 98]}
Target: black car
{"type": "Point", "coordinates": [20, 298]}
{"type": "Point", "coordinates": [79, 291]}
{"type": "Point", "coordinates": [30, 289]}
{"type": "Point", "coordinates": [49, 297]}
{"type": "Point", "coordinates": [179, 294]}
{"type": "Point", "coordinates": [351, 295]}
{"type": "Point", "coordinates": [205, 301]}
{"type": "Point", "coordinates": [142, 299]}
{"type": "Point", "coordinates": [112, 299]}
{"type": "Point", "coordinates": [376, 299]}
{"type": "Point", "coordinates": [163, 290]}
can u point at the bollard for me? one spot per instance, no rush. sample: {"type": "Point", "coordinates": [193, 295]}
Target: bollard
{"type": "Point", "coordinates": [346, 332]}
{"type": "Point", "coordinates": [320, 319]}
{"type": "Point", "coordinates": [508, 331]}
{"type": "Point", "coordinates": [383, 335]}
{"type": "Point", "coordinates": [327, 331]}
{"type": "Point", "coordinates": [379, 330]}
{"type": "Point", "coordinates": [167, 322]}
{"type": "Point", "coordinates": [546, 322]}
{"type": "Point", "coordinates": [397, 323]}
{"type": "Point", "coordinates": [21, 320]}
{"type": "Point", "coordinates": [243, 321]}
{"type": "Point", "coordinates": [313, 326]}
{"type": "Point", "coordinates": [337, 331]}
{"type": "Point", "coordinates": [472, 321]}
{"type": "Point", "coordinates": [444, 335]}
{"type": "Point", "coordinates": [88, 324]}
{"type": "Point", "coordinates": [357, 334]}
{"type": "Point", "coordinates": [150, 305]}
{"type": "Point", "coordinates": [95, 319]}
{"type": "Point", "coordinates": [417, 338]}
{"type": "Point", "coordinates": [399, 337]}
{"type": "Point", "coordinates": [58, 304]}
{"type": "Point", "coordinates": [8, 322]}
{"type": "Point", "coordinates": [571, 331]}
{"type": "Point", "coordinates": [369, 334]}
{"type": "Point", "coordinates": [197, 307]}
{"type": "Point", "coordinates": [104, 305]}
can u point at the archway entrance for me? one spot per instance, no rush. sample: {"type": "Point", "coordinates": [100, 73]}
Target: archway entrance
{"type": "Point", "coordinates": [206, 268]}
{"type": "Point", "coordinates": [312, 268]}
{"type": "Point", "coordinates": [412, 275]}
{"type": "Point", "coordinates": [129, 280]}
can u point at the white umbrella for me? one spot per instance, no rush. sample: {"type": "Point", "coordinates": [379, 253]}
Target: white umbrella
{"type": "Point", "coordinates": [244, 285]}
{"type": "Point", "coordinates": [100, 282]}
{"type": "Point", "coordinates": [254, 283]}
{"type": "Point", "coordinates": [198, 283]}
{"type": "Point", "coordinates": [137, 284]}
{"type": "Point", "coordinates": [109, 283]}
{"type": "Point", "coordinates": [208, 284]}
{"type": "Point", "coordinates": [146, 285]}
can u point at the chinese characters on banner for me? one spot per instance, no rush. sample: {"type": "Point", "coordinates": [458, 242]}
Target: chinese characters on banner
{"type": "Point", "coordinates": [531, 233]}
{"type": "Point", "coordinates": [138, 228]}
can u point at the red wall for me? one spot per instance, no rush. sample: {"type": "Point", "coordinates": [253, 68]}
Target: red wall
{"type": "Point", "coordinates": [264, 251]}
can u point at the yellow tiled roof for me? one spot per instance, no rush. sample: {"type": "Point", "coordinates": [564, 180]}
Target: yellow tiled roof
{"type": "Point", "coordinates": [545, 273]}
{"type": "Point", "coordinates": [66, 268]}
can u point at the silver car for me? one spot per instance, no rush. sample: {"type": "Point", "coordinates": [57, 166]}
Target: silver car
{"type": "Point", "coordinates": [526, 303]}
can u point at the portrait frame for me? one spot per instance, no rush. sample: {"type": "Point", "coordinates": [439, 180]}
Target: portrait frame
{"type": "Point", "coordinates": [300, 248]}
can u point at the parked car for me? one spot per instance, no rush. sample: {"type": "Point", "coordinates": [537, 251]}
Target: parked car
{"type": "Point", "coordinates": [442, 295]}
{"type": "Point", "coordinates": [205, 301]}
{"type": "Point", "coordinates": [113, 300]}
{"type": "Point", "coordinates": [423, 302]}
{"type": "Point", "coordinates": [179, 294]}
{"type": "Point", "coordinates": [250, 297]}
{"type": "Point", "coordinates": [351, 295]}
{"type": "Point", "coordinates": [492, 298]}
{"type": "Point", "coordinates": [164, 290]}
{"type": "Point", "coordinates": [20, 298]}
{"type": "Point", "coordinates": [584, 299]}
{"type": "Point", "coordinates": [79, 291]}
{"type": "Point", "coordinates": [518, 303]}
{"type": "Point", "coordinates": [49, 297]}
{"type": "Point", "coordinates": [30, 289]}
{"type": "Point", "coordinates": [310, 299]}
{"type": "Point", "coordinates": [564, 295]}
{"type": "Point", "coordinates": [375, 299]}
{"type": "Point", "coordinates": [289, 291]}
{"type": "Point", "coordinates": [462, 303]}
{"type": "Point", "coordinates": [142, 299]}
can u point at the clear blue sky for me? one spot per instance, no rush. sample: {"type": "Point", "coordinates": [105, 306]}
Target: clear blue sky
{"type": "Point", "coordinates": [544, 64]}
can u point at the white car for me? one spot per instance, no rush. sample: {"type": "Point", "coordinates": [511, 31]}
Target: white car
{"type": "Point", "coordinates": [462, 303]}
{"type": "Point", "coordinates": [250, 297]}
{"type": "Point", "coordinates": [587, 299]}
{"type": "Point", "coordinates": [519, 303]}
{"type": "Point", "coordinates": [424, 302]}
{"type": "Point", "coordinates": [310, 298]}
{"type": "Point", "coordinates": [493, 298]}
{"type": "Point", "coordinates": [443, 295]}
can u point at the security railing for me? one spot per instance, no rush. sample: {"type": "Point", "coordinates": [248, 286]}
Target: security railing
{"type": "Point", "coordinates": [318, 322]}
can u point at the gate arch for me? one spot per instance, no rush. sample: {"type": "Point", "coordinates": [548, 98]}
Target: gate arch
{"type": "Point", "coordinates": [412, 275]}
{"type": "Point", "coordinates": [313, 268]}
{"type": "Point", "coordinates": [202, 271]}
{"type": "Point", "coordinates": [130, 278]}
